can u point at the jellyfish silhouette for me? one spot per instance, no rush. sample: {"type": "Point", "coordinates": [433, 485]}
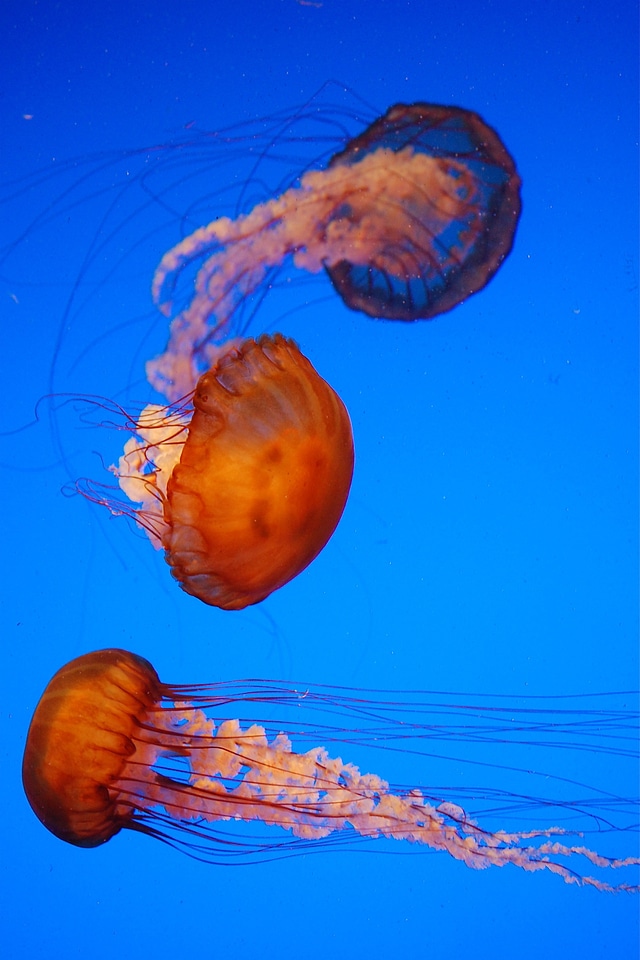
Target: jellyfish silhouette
{"type": "Point", "coordinates": [101, 751]}
{"type": "Point", "coordinates": [411, 218]}
{"type": "Point", "coordinates": [243, 485]}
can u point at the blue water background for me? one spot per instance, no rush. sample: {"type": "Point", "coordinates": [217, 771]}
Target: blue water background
{"type": "Point", "coordinates": [490, 540]}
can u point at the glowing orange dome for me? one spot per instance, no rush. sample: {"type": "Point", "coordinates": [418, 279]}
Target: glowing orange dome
{"type": "Point", "coordinates": [247, 496]}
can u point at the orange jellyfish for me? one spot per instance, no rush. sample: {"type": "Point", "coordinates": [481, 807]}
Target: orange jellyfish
{"type": "Point", "coordinates": [244, 489]}
{"type": "Point", "coordinates": [110, 747]}
{"type": "Point", "coordinates": [411, 218]}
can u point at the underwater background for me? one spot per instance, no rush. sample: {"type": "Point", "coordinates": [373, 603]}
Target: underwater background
{"type": "Point", "coordinates": [489, 544]}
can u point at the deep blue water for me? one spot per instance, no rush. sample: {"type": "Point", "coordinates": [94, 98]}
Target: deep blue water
{"type": "Point", "coordinates": [489, 545]}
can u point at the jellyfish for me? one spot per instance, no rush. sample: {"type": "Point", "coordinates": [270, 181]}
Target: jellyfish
{"type": "Point", "coordinates": [244, 485]}
{"type": "Point", "coordinates": [111, 747]}
{"type": "Point", "coordinates": [412, 217]}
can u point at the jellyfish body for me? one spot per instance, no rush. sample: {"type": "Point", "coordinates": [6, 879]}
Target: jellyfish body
{"type": "Point", "coordinates": [412, 217]}
{"type": "Point", "coordinates": [447, 236]}
{"type": "Point", "coordinates": [245, 497]}
{"type": "Point", "coordinates": [97, 760]}
{"type": "Point", "coordinates": [81, 739]}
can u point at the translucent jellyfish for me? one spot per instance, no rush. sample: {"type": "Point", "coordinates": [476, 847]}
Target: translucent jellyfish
{"type": "Point", "coordinates": [411, 218]}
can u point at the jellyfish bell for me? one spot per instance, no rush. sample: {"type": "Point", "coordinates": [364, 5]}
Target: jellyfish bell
{"type": "Point", "coordinates": [412, 217]}
{"type": "Point", "coordinates": [79, 743]}
{"type": "Point", "coordinates": [110, 747]}
{"type": "Point", "coordinates": [450, 223]}
{"type": "Point", "coordinates": [245, 489]}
